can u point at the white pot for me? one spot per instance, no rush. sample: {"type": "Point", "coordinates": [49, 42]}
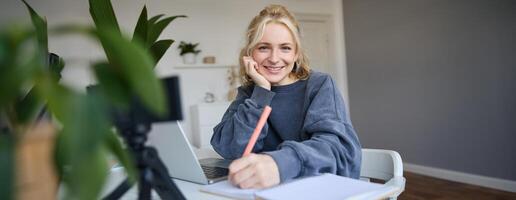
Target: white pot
{"type": "Point", "coordinates": [189, 58]}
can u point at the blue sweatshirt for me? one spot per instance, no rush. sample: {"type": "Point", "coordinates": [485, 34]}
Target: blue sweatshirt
{"type": "Point", "coordinates": [307, 133]}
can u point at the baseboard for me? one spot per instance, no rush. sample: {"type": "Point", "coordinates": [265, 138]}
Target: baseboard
{"type": "Point", "coordinates": [495, 183]}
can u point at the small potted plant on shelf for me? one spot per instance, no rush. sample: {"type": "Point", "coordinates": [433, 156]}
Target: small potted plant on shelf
{"type": "Point", "coordinates": [188, 52]}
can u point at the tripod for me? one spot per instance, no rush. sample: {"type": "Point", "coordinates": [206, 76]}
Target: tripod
{"type": "Point", "coordinates": [152, 172]}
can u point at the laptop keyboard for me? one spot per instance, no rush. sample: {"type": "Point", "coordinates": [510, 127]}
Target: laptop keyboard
{"type": "Point", "coordinates": [214, 172]}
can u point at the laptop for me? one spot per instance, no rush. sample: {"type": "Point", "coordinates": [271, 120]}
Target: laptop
{"type": "Point", "coordinates": [179, 158]}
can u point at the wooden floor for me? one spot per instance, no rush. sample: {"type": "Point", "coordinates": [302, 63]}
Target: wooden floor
{"type": "Point", "coordinates": [425, 187]}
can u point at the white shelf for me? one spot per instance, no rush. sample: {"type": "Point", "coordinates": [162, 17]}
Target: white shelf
{"type": "Point", "coordinates": [205, 117]}
{"type": "Point", "coordinates": [202, 65]}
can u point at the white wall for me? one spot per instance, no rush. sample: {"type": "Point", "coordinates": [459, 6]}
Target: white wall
{"type": "Point", "coordinates": [219, 26]}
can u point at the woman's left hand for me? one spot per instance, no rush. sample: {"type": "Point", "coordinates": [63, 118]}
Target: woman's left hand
{"type": "Point", "coordinates": [254, 171]}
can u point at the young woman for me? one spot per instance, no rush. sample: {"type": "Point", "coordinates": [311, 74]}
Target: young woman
{"type": "Point", "coordinates": [307, 132]}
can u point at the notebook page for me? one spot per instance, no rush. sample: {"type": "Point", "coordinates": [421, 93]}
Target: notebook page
{"type": "Point", "coordinates": [327, 186]}
{"type": "Point", "coordinates": [224, 188]}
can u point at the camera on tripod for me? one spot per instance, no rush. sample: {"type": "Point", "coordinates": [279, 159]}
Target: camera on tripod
{"type": "Point", "coordinates": [134, 125]}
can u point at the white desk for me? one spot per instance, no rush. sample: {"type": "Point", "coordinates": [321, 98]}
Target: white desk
{"type": "Point", "coordinates": [191, 190]}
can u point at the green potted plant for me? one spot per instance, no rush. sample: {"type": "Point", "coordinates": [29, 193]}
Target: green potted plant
{"type": "Point", "coordinates": [188, 51]}
{"type": "Point", "coordinates": [29, 83]}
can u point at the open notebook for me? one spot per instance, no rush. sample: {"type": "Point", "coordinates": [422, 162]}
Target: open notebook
{"type": "Point", "coordinates": [326, 186]}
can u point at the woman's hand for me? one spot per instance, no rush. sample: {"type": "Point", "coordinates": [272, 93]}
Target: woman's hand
{"type": "Point", "coordinates": [251, 69]}
{"type": "Point", "coordinates": [254, 171]}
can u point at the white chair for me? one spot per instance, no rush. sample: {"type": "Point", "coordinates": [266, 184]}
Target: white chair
{"type": "Point", "coordinates": [384, 165]}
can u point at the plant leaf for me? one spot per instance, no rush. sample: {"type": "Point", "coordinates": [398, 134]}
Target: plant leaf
{"type": "Point", "coordinates": [158, 27]}
{"type": "Point", "coordinates": [133, 64]}
{"type": "Point", "coordinates": [59, 98]}
{"type": "Point", "coordinates": [112, 85]}
{"type": "Point", "coordinates": [7, 160]}
{"type": "Point", "coordinates": [151, 23]}
{"type": "Point", "coordinates": [61, 156]}
{"type": "Point", "coordinates": [103, 15]}
{"type": "Point", "coordinates": [136, 65]}
{"type": "Point", "coordinates": [28, 107]}
{"type": "Point", "coordinates": [13, 77]}
{"type": "Point", "coordinates": [8, 85]}
{"type": "Point", "coordinates": [55, 66]}
{"type": "Point", "coordinates": [153, 20]}
{"type": "Point", "coordinates": [114, 145]}
{"type": "Point", "coordinates": [89, 174]}
{"type": "Point", "coordinates": [80, 143]}
{"type": "Point", "coordinates": [159, 48]}
{"type": "Point", "coordinates": [41, 30]}
{"type": "Point", "coordinates": [18, 61]}
{"type": "Point", "coordinates": [31, 104]}
{"type": "Point", "coordinates": [87, 122]}
{"type": "Point", "coordinates": [140, 31]}
{"type": "Point", "coordinates": [83, 115]}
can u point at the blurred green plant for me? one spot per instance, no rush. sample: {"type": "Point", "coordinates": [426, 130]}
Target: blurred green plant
{"type": "Point", "coordinates": [187, 47]}
{"type": "Point", "coordinates": [29, 83]}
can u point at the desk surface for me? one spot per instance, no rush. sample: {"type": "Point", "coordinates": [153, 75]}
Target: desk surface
{"type": "Point", "coordinates": [191, 190]}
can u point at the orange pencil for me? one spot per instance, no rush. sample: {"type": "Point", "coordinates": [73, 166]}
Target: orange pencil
{"type": "Point", "coordinates": [261, 122]}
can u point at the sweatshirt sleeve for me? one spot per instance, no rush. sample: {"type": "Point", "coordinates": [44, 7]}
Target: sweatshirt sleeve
{"type": "Point", "coordinates": [232, 134]}
{"type": "Point", "coordinates": [329, 144]}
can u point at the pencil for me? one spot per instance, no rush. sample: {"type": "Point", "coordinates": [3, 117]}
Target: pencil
{"type": "Point", "coordinates": [261, 122]}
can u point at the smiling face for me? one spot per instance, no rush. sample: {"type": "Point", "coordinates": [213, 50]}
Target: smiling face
{"type": "Point", "coordinates": [276, 54]}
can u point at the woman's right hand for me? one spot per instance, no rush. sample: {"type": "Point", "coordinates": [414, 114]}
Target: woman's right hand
{"type": "Point", "coordinates": [251, 69]}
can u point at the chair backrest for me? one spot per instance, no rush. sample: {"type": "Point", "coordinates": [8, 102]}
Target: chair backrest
{"type": "Point", "coordinates": [381, 164]}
